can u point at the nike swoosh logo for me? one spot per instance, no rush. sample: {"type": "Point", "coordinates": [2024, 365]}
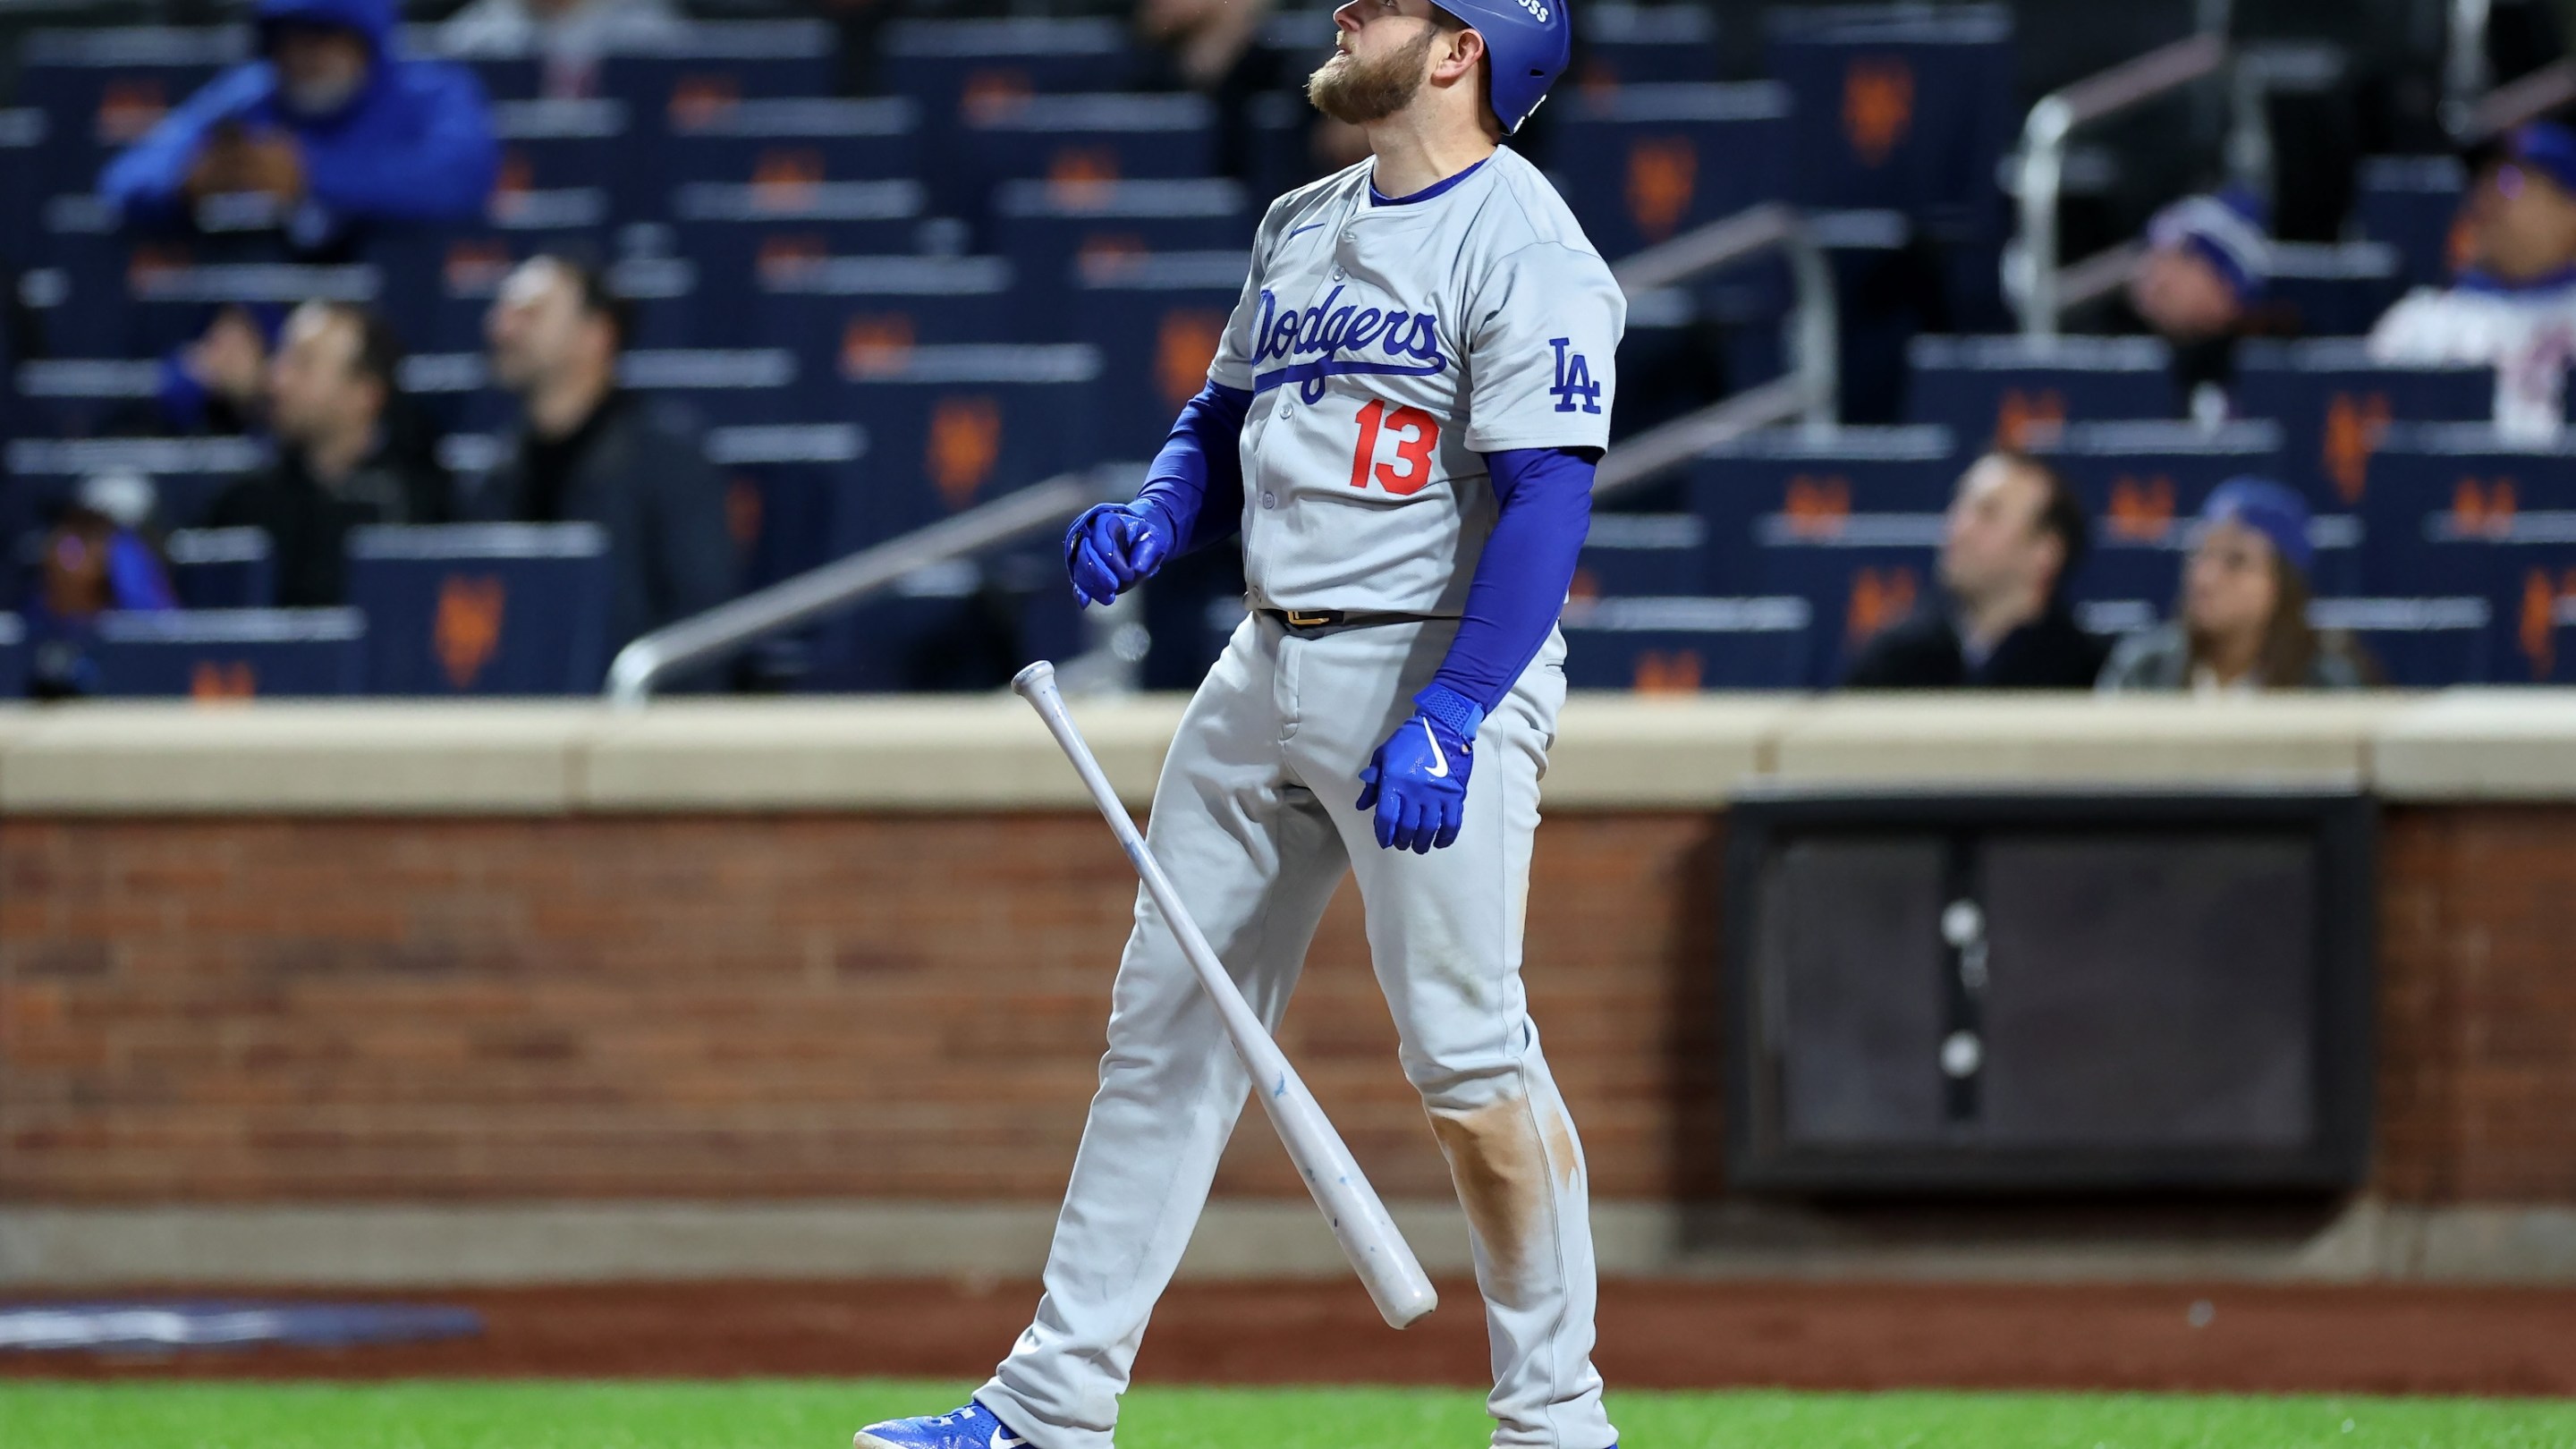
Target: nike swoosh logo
{"type": "Point", "coordinates": [1310, 226]}
{"type": "Point", "coordinates": [1001, 1440]}
{"type": "Point", "coordinates": [1439, 762]}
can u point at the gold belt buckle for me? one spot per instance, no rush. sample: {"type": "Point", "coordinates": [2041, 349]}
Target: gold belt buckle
{"type": "Point", "coordinates": [1297, 620]}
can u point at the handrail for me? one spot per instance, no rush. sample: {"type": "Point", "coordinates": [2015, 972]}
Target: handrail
{"type": "Point", "coordinates": [2465, 77]}
{"type": "Point", "coordinates": [2526, 98]}
{"type": "Point", "coordinates": [2054, 121]}
{"type": "Point", "coordinates": [1812, 390]}
{"type": "Point", "coordinates": [730, 627]}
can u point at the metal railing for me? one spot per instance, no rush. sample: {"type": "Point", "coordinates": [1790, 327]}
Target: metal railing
{"type": "Point", "coordinates": [2527, 98]}
{"type": "Point", "coordinates": [2042, 166]}
{"type": "Point", "coordinates": [1810, 391]}
{"type": "Point", "coordinates": [1813, 388]}
{"type": "Point", "coordinates": [729, 628]}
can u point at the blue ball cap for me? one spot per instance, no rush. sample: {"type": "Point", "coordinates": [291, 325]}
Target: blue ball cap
{"type": "Point", "coordinates": [2548, 148]}
{"type": "Point", "coordinates": [2270, 509]}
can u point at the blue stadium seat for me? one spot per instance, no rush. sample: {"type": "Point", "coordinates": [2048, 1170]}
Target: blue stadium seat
{"type": "Point", "coordinates": [2334, 404]}
{"type": "Point", "coordinates": [186, 473]}
{"type": "Point", "coordinates": [1788, 479]}
{"type": "Point", "coordinates": [1905, 107]}
{"type": "Point", "coordinates": [223, 654]}
{"type": "Point", "coordinates": [2418, 643]}
{"type": "Point", "coordinates": [22, 175]}
{"type": "Point", "coordinates": [1048, 230]}
{"type": "Point", "coordinates": [950, 427]}
{"type": "Point", "coordinates": [75, 396]}
{"type": "Point", "coordinates": [495, 608]}
{"type": "Point", "coordinates": [1079, 140]}
{"type": "Point", "coordinates": [731, 234]}
{"type": "Point", "coordinates": [1641, 164]}
{"type": "Point", "coordinates": [2413, 204]}
{"type": "Point", "coordinates": [169, 304]}
{"type": "Point", "coordinates": [2332, 291]}
{"type": "Point", "coordinates": [13, 657]}
{"type": "Point", "coordinates": [841, 310]}
{"type": "Point", "coordinates": [787, 486]}
{"type": "Point", "coordinates": [1156, 321]}
{"type": "Point", "coordinates": [105, 88]}
{"type": "Point", "coordinates": [959, 68]}
{"type": "Point", "coordinates": [1636, 555]}
{"type": "Point", "coordinates": [439, 285]}
{"type": "Point", "coordinates": [2014, 390]}
{"type": "Point", "coordinates": [1626, 45]}
{"type": "Point", "coordinates": [718, 65]}
{"type": "Point", "coordinates": [2143, 482]}
{"type": "Point", "coordinates": [565, 164]}
{"type": "Point", "coordinates": [2455, 511]}
{"type": "Point", "coordinates": [718, 387]}
{"type": "Point", "coordinates": [786, 145]}
{"type": "Point", "coordinates": [221, 568]}
{"type": "Point", "coordinates": [1677, 645]}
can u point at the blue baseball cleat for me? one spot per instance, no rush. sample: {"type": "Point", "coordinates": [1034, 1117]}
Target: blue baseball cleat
{"type": "Point", "coordinates": [972, 1427]}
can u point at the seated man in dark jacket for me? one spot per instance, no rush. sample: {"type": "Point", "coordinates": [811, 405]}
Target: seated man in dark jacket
{"type": "Point", "coordinates": [343, 458]}
{"type": "Point", "coordinates": [586, 452]}
{"type": "Point", "coordinates": [2015, 534]}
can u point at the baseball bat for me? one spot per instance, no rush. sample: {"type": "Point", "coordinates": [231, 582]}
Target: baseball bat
{"type": "Point", "coordinates": [1384, 1261]}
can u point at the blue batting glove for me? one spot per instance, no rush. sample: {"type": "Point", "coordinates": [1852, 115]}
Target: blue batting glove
{"type": "Point", "coordinates": [1417, 780]}
{"type": "Point", "coordinates": [1113, 547]}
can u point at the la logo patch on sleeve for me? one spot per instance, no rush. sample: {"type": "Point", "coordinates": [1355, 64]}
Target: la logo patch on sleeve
{"type": "Point", "coordinates": [1575, 390]}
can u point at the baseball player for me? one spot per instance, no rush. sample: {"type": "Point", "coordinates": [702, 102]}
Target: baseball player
{"type": "Point", "coordinates": [1401, 422]}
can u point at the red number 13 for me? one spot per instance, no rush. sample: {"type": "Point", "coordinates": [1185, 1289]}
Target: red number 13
{"type": "Point", "coordinates": [1422, 434]}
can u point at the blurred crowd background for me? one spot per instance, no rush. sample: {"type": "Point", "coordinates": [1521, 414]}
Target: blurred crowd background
{"type": "Point", "coordinates": [356, 348]}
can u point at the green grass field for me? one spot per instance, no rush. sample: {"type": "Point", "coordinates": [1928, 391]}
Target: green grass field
{"type": "Point", "coordinates": [809, 1415]}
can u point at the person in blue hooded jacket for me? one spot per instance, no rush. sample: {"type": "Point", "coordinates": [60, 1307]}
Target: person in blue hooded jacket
{"type": "Point", "coordinates": [330, 129]}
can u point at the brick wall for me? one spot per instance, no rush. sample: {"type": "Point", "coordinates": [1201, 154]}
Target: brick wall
{"type": "Point", "coordinates": [893, 1006]}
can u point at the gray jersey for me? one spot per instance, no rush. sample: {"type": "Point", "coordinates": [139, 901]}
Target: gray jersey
{"type": "Point", "coordinates": [1389, 347]}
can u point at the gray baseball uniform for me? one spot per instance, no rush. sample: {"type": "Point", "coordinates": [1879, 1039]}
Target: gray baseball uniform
{"type": "Point", "coordinates": [1388, 345]}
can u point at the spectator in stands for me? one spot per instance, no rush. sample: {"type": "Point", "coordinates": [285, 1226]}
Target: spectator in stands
{"type": "Point", "coordinates": [2014, 535]}
{"type": "Point", "coordinates": [2244, 611]}
{"type": "Point", "coordinates": [588, 452]}
{"type": "Point", "coordinates": [340, 460]}
{"type": "Point", "coordinates": [2515, 306]}
{"type": "Point", "coordinates": [213, 386]}
{"type": "Point", "coordinates": [2206, 264]}
{"type": "Point", "coordinates": [330, 130]}
{"type": "Point", "coordinates": [102, 554]}
{"type": "Point", "coordinates": [569, 36]}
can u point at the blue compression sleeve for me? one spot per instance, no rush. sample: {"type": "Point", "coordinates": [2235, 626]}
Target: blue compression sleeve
{"type": "Point", "coordinates": [1197, 480]}
{"type": "Point", "coordinates": [1545, 501]}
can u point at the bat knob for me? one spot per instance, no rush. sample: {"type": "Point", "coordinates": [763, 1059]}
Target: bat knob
{"type": "Point", "coordinates": [1036, 677]}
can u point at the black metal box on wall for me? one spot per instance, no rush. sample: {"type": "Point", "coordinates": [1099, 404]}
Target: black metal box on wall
{"type": "Point", "coordinates": [2016, 992]}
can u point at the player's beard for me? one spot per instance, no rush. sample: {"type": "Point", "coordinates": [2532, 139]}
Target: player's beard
{"type": "Point", "coordinates": [1359, 93]}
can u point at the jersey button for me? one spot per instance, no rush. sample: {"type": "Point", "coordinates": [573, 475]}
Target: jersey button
{"type": "Point", "coordinates": [1286, 408]}
{"type": "Point", "coordinates": [1350, 236]}
{"type": "Point", "coordinates": [1269, 500]}
{"type": "Point", "coordinates": [1338, 274]}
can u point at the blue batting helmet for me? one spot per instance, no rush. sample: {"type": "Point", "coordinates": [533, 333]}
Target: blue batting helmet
{"type": "Point", "coordinates": [1527, 45]}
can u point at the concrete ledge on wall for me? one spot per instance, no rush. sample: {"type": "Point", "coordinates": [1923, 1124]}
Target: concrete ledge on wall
{"type": "Point", "coordinates": [2048, 740]}
{"type": "Point", "coordinates": [387, 1246]}
{"type": "Point", "coordinates": [2491, 744]}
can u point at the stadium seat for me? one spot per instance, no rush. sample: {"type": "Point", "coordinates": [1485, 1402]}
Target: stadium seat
{"type": "Point", "coordinates": [784, 146]}
{"type": "Point", "coordinates": [1641, 164]}
{"type": "Point", "coordinates": [730, 234]}
{"type": "Point", "coordinates": [1079, 140]}
{"type": "Point", "coordinates": [2332, 291]}
{"type": "Point", "coordinates": [1634, 555]}
{"type": "Point", "coordinates": [1904, 107]}
{"type": "Point", "coordinates": [2334, 404]}
{"type": "Point", "coordinates": [786, 485]}
{"type": "Point", "coordinates": [1625, 45]}
{"type": "Point", "coordinates": [13, 657]}
{"type": "Point", "coordinates": [74, 397]}
{"type": "Point", "coordinates": [2419, 643]}
{"type": "Point", "coordinates": [22, 175]}
{"type": "Point", "coordinates": [719, 65]}
{"type": "Point", "coordinates": [1788, 479]}
{"type": "Point", "coordinates": [186, 473]}
{"type": "Point", "coordinates": [1048, 230]}
{"type": "Point", "coordinates": [957, 68]}
{"type": "Point", "coordinates": [1678, 645]}
{"type": "Point", "coordinates": [221, 568]}
{"type": "Point", "coordinates": [565, 164]}
{"type": "Point", "coordinates": [2413, 204]}
{"type": "Point", "coordinates": [509, 608]}
{"type": "Point", "coordinates": [229, 654]}
{"type": "Point", "coordinates": [2014, 390]}
{"type": "Point", "coordinates": [104, 88]}
{"type": "Point", "coordinates": [1156, 321]}
{"type": "Point", "coordinates": [2144, 481]}
{"type": "Point", "coordinates": [824, 309]}
{"type": "Point", "coordinates": [2455, 511]}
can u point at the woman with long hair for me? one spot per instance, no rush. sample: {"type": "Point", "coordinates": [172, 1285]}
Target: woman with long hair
{"type": "Point", "coordinates": [2242, 625]}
